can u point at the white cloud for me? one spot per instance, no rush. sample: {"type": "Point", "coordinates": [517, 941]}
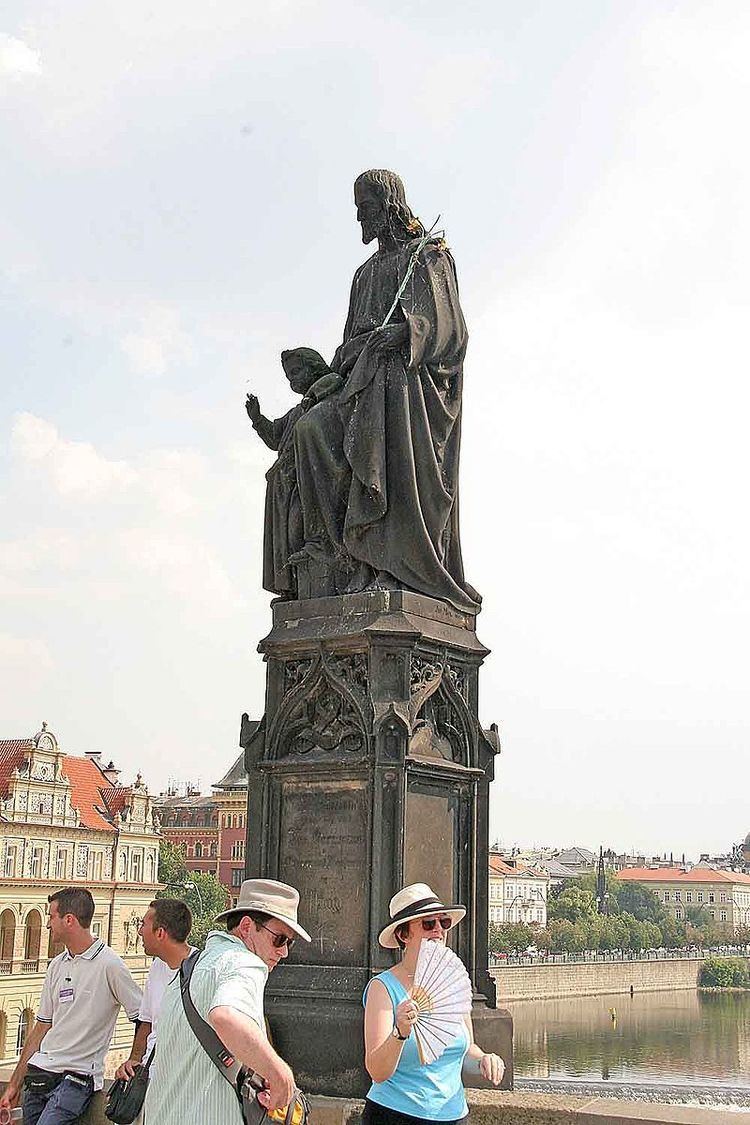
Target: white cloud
{"type": "Point", "coordinates": [158, 344]}
{"type": "Point", "coordinates": [174, 478]}
{"type": "Point", "coordinates": [185, 566]}
{"type": "Point", "coordinates": [17, 59]}
{"type": "Point", "coordinates": [75, 467]}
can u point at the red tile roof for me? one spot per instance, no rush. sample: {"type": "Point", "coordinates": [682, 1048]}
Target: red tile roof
{"type": "Point", "coordinates": [500, 866]}
{"type": "Point", "coordinates": [98, 801]}
{"type": "Point", "coordinates": [680, 875]}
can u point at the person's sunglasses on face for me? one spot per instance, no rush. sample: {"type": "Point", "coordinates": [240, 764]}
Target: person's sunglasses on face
{"type": "Point", "coordinates": [279, 940]}
{"type": "Point", "coordinates": [430, 923]}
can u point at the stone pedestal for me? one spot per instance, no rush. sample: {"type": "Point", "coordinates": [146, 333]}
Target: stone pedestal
{"type": "Point", "coordinates": [369, 771]}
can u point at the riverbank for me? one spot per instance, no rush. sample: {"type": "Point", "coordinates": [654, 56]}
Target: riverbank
{"type": "Point", "coordinates": [550, 979]}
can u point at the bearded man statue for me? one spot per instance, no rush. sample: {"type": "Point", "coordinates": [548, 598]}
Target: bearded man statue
{"type": "Point", "coordinates": [377, 461]}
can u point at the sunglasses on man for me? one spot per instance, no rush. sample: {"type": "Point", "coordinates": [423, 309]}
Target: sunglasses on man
{"type": "Point", "coordinates": [279, 940]}
{"type": "Point", "coordinates": [430, 923]}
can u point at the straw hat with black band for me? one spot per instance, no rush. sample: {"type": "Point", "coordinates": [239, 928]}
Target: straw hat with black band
{"type": "Point", "coordinates": [267, 896]}
{"type": "Point", "coordinates": [415, 901]}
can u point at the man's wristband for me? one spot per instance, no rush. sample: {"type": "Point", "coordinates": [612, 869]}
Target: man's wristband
{"type": "Point", "coordinates": [397, 1034]}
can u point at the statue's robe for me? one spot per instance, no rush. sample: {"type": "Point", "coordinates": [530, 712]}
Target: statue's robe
{"type": "Point", "coordinates": [377, 463]}
{"type": "Point", "coordinates": [282, 534]}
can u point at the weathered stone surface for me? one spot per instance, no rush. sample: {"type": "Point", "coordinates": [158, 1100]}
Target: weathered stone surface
{"type": "Point", "coordinates": [370, 770]}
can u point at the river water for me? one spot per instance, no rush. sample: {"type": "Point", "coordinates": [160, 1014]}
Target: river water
{"type": "Point", "coordinates": [681, 1038]}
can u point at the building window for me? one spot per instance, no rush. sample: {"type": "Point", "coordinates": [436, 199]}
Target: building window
{"type": "Point", "coordinates": [199, 851]}
{"type": "Point", "coordinates": [722, 897]}
{"type": "Point", "coordinates": [712, 914]}
{"type": "Point", "coordinates": [678, 896]}
{"type": "Point", "coordinates": [36, 862]}
{"type": "Point", "coordinates": [32, 940]}
{"type": "Point", "coordinates": [97, 867]}
{"type": "Point", "coordinates": [238, 849]}
{"type": "Point", "coordinates": [688, 896]}
{"type": "Point", "coordinates": [666, 896]}
{"type": "Point", "coordinates": [10, 861]}
{"type": "Point", "coordinates": [25, 1024]}
{"type": "Point", "coordinates": [722, 915]}
{"type": "Point", "coordinates": [61, 863]}
{"type": "Point", "coordinates": [96, 929]}
{"type": "Point", "coordinates": [711, 896]}
{"type": "Point", "coordinates": [7, 938]}
{"type": "Point", "coordinates": [237, 876]}
{"type": "Point", "coordinates": [699, 896]}
{"type": "Point", "coordinates": [678, 914]}
{"type": "Point", "coordinates": [137, 869]}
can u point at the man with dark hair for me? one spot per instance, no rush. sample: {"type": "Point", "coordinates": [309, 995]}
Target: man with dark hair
{"type": "Point", "coordinates": [226, 987]}
{"type": "Point", "coordinates": [62, 1062]}
{"type": "Point", "coordinates": [164, 930]}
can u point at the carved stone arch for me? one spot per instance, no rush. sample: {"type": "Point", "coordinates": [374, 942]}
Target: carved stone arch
{"type": "Point", "coordinates": [442, 726]}
{"type": "Point", "coordinates": [392, 732]}
{"type": "Point", "coordinates": [325, 711]}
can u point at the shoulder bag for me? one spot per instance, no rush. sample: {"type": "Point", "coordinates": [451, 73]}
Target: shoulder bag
{"type": "Point", "coordinates": [127, 1095]}
{"type": "Point", "coordinates": [245, 1083]}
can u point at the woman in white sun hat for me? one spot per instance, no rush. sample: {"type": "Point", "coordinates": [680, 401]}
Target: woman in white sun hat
{"type": "Point", "coordinates": [403, 1089]}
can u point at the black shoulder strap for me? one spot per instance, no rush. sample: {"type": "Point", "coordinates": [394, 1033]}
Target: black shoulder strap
{"type": "Point", "coordinates": [222, 1059]}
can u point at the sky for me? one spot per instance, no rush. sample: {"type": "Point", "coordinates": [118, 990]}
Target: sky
{"type": "Point", "coordinates": [176, 208]}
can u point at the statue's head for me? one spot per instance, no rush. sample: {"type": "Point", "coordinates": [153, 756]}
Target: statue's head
{"type": "Point", "coordinates": [303, 367]}
{"type": "Point", "coordinates": [382, 208]}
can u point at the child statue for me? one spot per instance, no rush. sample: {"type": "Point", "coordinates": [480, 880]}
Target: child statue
{"type": "Point", "coordinates": [309, 375]}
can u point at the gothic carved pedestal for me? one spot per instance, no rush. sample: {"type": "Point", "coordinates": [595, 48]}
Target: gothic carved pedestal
{"type": "Point", "coordinates": [369, 771]}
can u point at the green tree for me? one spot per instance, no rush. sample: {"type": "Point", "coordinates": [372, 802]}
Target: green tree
{"type": "Point", "coordinates": [725, 972]}
{"type": "Point", "coordinates": [202, 892]}
{"type": "Point", "coordinates": [672, 932]}
{"type": "Point", "coordinates": [574, 903]}
{"type": "Point", "coordinates": [636, 899]}
{"type": "Point", "coordinates": [561, 935]}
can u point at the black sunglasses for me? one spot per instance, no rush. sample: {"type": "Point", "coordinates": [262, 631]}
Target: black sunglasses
{"type": "Point", "coordinates": [279, 940]}
{"type": "Point", "coordinates": [431, 923]}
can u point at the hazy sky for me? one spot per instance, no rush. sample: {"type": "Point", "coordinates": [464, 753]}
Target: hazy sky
{"type": "Point", "coordinates": [176, 208]}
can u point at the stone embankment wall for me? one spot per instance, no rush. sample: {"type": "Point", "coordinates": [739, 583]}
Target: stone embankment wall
{"type": "Point", "coordinates": [546, 979]}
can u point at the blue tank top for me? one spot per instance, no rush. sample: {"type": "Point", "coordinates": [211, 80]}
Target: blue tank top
{"type": "Point", "coordinates": [432, 1091]}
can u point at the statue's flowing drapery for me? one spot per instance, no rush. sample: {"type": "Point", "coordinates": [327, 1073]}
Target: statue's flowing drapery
{"type": "Point", "coordinates": [377, 463]}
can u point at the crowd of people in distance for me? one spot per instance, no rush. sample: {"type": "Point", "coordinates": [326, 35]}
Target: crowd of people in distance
{"type": "Point", "coordinates": [62, 1063]}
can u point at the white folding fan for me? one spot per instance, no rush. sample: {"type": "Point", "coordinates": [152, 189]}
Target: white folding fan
{"type": "Point", "coordinates": [442, 992]}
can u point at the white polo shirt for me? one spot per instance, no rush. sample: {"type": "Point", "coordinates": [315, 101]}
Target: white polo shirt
{"type": "Point", "coordinates": [81, 998]}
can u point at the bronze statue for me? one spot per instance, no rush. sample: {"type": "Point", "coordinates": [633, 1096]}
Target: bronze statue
{"type": "Point", "coordinates": [376, 457]}
{"type": "Point", "coordinates": [309, 375]}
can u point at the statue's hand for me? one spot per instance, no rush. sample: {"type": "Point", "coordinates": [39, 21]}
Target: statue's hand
{"type": "Point", "coordinates": [390, 337]}
{"type": "Point", "coordinates": [252, 406]}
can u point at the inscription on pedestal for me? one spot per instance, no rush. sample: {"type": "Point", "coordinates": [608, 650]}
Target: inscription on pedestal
{"type": "Point", "coordinates": [323, 853]}
{"type": "Point", "coordinates": [430, 847]}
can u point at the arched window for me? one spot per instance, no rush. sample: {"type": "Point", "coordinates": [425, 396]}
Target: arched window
{"type": "Point", "coordinates": [7, 941]}
{"type": "Point", "coordinates": [25, 1024]}
{"type": "Point", "coordinates": [32, 940]}
{"type": "Point", "coordinates": [199, 850]}
{"type": "Point", "coordinates": [150, 867]}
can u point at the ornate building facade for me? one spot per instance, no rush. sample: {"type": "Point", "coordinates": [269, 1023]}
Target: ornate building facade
{"type": "Point", "coordinates": [517, 892]}
{"type": "Point", "coordinates": [210, 829]}
{"type": "Point", "coordinates": [67, 820]}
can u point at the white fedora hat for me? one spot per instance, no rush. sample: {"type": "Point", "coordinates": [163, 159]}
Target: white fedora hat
{"type": "Point", "coordinates": [269, 897]}
{"type": "Point", "coordinates": [415, 901]}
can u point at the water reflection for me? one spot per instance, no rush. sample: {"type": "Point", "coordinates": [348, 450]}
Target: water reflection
{"type": "Point", "coordinates": [678, 1037]}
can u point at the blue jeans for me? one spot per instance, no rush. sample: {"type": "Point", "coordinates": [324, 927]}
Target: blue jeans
{"type": "Point", "coordinates": [62, 1105]}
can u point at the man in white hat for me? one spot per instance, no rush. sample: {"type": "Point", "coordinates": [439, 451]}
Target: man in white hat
{"type": "Point", "coordinates": [226, 987]}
